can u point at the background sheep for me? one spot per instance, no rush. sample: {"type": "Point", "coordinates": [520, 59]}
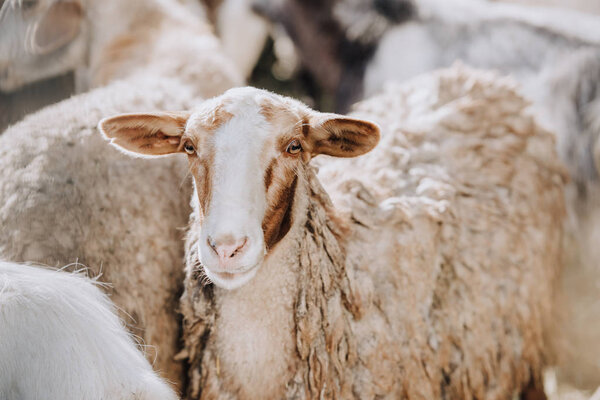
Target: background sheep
{"type": "Point", "coordinates": [591, 6]}
{"type": "Point", "coordinates": [96, 42]}
{"type": "Point", "coordinates": [433, 276]}
{"type": "Point", "coordinates": [65, 196]}
{"type": "Point", "coordinates": [61, 339]}
{"type": "Point", "coordinates": [555, 54]}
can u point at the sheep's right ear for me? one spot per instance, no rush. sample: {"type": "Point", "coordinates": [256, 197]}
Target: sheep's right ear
{"type": "Point", "coordinates": [58, 26]}
{"type": "Point", "coordinates": [153, 134]}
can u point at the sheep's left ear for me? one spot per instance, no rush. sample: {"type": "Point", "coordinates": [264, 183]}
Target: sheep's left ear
{"type": "Point", "coordinates": [152, 134]}
{"type": "Point", "coordinates": [341, 136]}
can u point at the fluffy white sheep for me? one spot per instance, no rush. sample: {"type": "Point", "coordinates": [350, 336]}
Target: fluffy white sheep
{"type": "Point", "coordinates": [65, 196]}
{"type": "Point", "coordinates": [61, 339]}
{"type": "Point", "coordinates": [430, 276]}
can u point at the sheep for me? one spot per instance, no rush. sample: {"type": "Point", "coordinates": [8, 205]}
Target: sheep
{"type": "Point", "coordinates": [66, 197]}
{"type": "Point", "coordinates": [555, 55]}
{"type": "Point", "coordinates": [424, 269]}
{"type": "Point", "coordinates": [106, 40]}
{"type": "Point", "coordinates": [61, 339]}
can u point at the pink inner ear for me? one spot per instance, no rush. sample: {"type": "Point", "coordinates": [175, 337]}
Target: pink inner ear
{"type": "Point", "coordinates": [59, 25]}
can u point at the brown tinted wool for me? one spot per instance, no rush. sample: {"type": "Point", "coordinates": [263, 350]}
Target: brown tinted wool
{"type": "Point", "coordinates": [429, 273]}
{"type": "Point", "coordinates": [278, 218]}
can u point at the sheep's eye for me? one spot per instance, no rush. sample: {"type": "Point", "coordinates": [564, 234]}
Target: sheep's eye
{"type": "Point", "coordinates": [189, 148]}
{"type": "Point", "coordinates": [294, 147]}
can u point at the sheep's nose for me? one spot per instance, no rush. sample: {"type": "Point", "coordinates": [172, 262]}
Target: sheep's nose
{"type": "Point", "coordinates": [227, 246]}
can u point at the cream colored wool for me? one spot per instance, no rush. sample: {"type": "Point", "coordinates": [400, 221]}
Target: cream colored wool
{"type": "Point", "coordinates": [67, 197]}
{"type": "Point", "coordinates": [429, 274]}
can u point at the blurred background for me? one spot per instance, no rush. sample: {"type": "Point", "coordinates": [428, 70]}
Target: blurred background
{"type": "Point", "coordinates": [333, 53]}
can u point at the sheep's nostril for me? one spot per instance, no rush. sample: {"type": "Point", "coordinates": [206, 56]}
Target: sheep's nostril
{"type": "Point", "coordinates": [228, 247]}
{"type": "Point", "coordinates": [240, 248]}
{"type": "Point", "coordinates": [211, 243]}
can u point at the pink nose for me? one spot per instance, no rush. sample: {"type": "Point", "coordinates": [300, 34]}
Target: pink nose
{"type": "Point", "coordinates": [227, 247]}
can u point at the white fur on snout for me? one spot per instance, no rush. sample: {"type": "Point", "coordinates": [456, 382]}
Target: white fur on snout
{"type": "Point", "coordinates": [238, 200]}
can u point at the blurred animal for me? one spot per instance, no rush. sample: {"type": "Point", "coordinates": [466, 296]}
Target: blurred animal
{"type": "Point", "coordinates": [431, 275]}
{"type": "Point", "coordinates": [61, 339]}
{"type": "Point", "coordinates": [66, 197]}
{"type": "Point", "coordinates": [336, 38]}
{"type": "Point", "coordinates": [590, 6]}
{"type": "Point", "coordinates": [41, 39]}
{"type": "Point", "coordinates": [555, 55]}
{"type": "Point", "coordinates": [100, 41]}
{"type": "Point", "coordinates": [243, 33]}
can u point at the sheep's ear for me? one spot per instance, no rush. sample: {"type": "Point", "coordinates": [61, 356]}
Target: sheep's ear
{"type": "Point", "coordinates": [58, 26]}
{"type": "Point", "coordinates": [153, 134]}
{"type": "Point", "coordinates": [341, 136]}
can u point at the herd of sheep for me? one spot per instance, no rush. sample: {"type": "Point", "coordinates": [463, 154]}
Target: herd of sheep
{"type": "Point", "coordinates": [444, 244]}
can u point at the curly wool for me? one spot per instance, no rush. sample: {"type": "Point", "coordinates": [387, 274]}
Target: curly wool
{"type": "Point", "coordinates": [431, 275]}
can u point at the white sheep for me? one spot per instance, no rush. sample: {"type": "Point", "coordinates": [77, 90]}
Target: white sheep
{"type": "Point", "coordinates": [65, 196]}
{"type": "Point", "coordinates": [61, 339]}
{"type": "Point", "coordinates": [430, 276]}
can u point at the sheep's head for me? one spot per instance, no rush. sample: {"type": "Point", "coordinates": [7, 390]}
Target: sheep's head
{"type": "Point", "coordinates": [39, 39]}
{"type": "Point", "coordinates": [246, 150]}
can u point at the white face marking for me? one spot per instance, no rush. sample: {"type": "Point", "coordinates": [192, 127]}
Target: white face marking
{"type": "Point", "coordinates": [232, 246]}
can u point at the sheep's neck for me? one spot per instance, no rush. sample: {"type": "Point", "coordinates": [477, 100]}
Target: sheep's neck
{"type": "Point", "coordinates": [324, 343]}
{"type": "Point", "coordinates": [289, 322]}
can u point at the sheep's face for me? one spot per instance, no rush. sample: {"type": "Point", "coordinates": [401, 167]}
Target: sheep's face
{"type": "Point", "coordinates": [39, 39]}
{"type": "Point", "coordinates": [247, 150]}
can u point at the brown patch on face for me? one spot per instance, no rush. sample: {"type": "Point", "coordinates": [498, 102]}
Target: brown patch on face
{"type": "Point", "coordinates": [278, 218]}
{"type": "Point", "coordinates": [269, 174]}
{"type": "Point", "coordinates": [201, 165]}
{"type": "Point", "coordinates": [305, 127]}
{"type": "Point", "coordinates": [201, 171]}
{"type": "Point", "coordinates": [213, 120]}
{"type": "Point", "coordinates": [280, 176]}
{"type": "Point", "coordinates": [268, 110]}
{"type": "Point", "coordinates": [281, 116]}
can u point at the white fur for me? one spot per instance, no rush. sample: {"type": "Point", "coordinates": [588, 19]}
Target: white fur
{"type": "Point", "coordinates": [242, 32]}
{"type": "Point", "coordinates": [238, 200]}
{"type": "Point", "coordinates": [60, 339]}
{"type": "Point", "coordinates": [66, 196]}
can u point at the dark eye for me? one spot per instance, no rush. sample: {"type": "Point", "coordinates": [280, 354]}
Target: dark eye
{"type": "Point", "coordinates": [294, 147]}
{"type": "Point", "coordinates": [189, 148]}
